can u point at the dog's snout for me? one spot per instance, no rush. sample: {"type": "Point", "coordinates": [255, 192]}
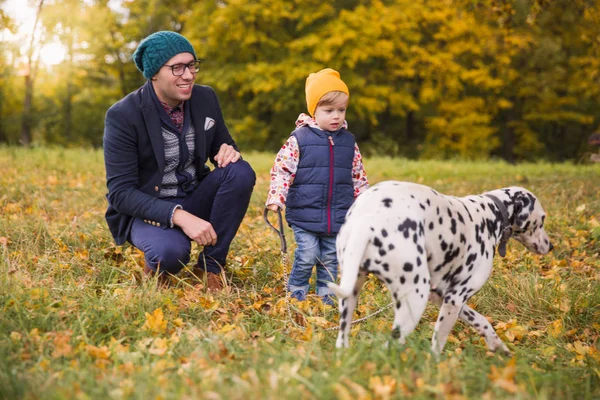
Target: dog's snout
{"type": "Point", "coordinates": [551, 247]}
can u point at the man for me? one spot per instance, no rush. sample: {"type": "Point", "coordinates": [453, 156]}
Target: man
{"type": "Point", "coordinates": [157, 140]}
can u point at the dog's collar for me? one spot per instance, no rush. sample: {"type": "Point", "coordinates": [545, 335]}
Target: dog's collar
{"type": "Point", "coordinates": [505, 229]}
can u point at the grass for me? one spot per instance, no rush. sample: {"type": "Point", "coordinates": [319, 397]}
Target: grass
{"type": "Point", "coordinates": [78, 321]}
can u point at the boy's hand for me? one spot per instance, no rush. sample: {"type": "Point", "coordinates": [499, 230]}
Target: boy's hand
{"type": "Point", "coordinates": [273, 207]}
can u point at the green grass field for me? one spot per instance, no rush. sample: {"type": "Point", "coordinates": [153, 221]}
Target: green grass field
{"type": "Point", "coordinates": [78, 321]}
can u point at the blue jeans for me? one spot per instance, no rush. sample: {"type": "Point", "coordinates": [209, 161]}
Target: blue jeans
{"type": "Point", "coordinates": [313, 250]}
{"type": "Point", "coordinates": [222, 199]}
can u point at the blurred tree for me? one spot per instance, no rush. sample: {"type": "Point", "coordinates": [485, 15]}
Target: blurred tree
{"type": "Point", "coordinates": [30, 75]}
{"type": "Point", "coordinates": [8, 53]}
{"type": "Point", "coordinates": [516, 79]}
{"type": "Point", "coordinates": [63, 21]}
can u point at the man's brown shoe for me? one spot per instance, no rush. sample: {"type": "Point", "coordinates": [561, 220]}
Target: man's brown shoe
{"type": "Point", "coordinates": [213, 281]}
{"type": "Point", "coordinates": [163, 279]}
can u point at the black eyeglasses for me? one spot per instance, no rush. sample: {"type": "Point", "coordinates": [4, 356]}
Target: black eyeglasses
{"type": "Point", "coordinates": [179, 69]}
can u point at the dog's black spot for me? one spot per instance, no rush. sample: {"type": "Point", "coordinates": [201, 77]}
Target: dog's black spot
{"type": "Point", "coordinates": [428, 202]}
{"type": "Point", "coordinates": [463, 239]}
{"type": "Point", "coordinates": [453, 226]}
{"type": "Point", "coordinates": [444, 245]}
{"type": "Point", "coordinates": [366, 264]}
{"type": "Point", "coordinates": [441, 318]}
{"type": "Point", "coordinates": [387, 202]}
{"type": "Point", "coordinates": [388, 280]}
{"type": "Point", "coordinates": [441, 221]}
{"type": "Point", "coordinates": [382, 252]}
{"type": "Point", "coordinates": [415, 238]}
{"type": "Point", "coordinates": [431, 226]}
{"type": "Point", "coordinates": [343, 326]}
{"type": "Point", "coordinates": [422, 206]}
{"type": "Point", "coordinates": [460, 218]}
{"type": "Point", "coordinates": [419, 249]}
{"type": "Point", "coordinates": [468, 212]}
{"type": "Point", "coordinates": [384, 233]}
{"type": "Point", "coordinates": [471, 258]}
{"type": "Point", "coordinates": [408, 267]}
{"type": "Point", "coordinates": [398, 304]}
{"type": "Point", "coordinates": [391, 247]}
{"type": "Point", "coordinates": [344, 313]}
{"type": "Point", "coordinates": [402, 280]}
{"type": "Point", "coordinates": [416, 280]}
{"type": "Point", "coordinates": [377, 242]}
{"type": "Point", "coordinates": [386, 266]}
{"type": "Point", "coordinates": [419, 261]}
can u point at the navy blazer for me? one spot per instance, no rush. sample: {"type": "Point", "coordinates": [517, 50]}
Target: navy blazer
{"type": "Point", "coordinates": [134, 155]}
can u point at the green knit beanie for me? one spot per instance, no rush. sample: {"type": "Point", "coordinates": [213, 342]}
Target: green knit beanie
{"type": "Point", "coordinates": [158, 48]}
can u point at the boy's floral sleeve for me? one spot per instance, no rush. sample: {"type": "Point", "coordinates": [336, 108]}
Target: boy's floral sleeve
{"type": "Point", "coordinates": [359, 175]}
{"type": "Point", "coordinates": [283, 172]}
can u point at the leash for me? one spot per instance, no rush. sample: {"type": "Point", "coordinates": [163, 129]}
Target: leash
{"type": "Point", "coordinates": [284, 263]}
{"type": "Point", "coordinates": [284, 258]}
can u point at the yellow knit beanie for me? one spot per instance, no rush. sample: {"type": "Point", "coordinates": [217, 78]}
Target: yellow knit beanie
{"type": "Point", "coordinates": [319, 84]}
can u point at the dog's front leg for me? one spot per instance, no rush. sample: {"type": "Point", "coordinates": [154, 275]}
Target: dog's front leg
{"type": "Point", "coordinates": [484, 328]}
{"type": "Point", "coordinates": [445, 322]}
{"type": "Point", "coordinates": [478, 322]}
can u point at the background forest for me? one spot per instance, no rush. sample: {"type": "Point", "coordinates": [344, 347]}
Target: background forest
{"type": "Point", "coordinates": [511, 79]}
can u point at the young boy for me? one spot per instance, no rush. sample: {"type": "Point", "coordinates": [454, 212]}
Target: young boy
{"type": "Point", "coordinates": [317, 174]}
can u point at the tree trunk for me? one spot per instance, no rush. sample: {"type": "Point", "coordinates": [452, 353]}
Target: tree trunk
{"type": "Point", "coordinates": [69, 92]}
{"type": "Point", "coordinates": [29, 79]}
{"type": "Point", "coordinates": [26, 116]}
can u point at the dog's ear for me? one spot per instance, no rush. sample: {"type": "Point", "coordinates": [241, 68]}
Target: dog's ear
{"type": "Point", "coordinates": [523, 203]}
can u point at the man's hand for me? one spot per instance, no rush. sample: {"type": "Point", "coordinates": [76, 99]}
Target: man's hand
{"type": "Point", "coordinates": [273, 207]}
{"type": "Point", "coordinates": [227, 154]}
{"type": "Point", "coordinates": [197, 229]}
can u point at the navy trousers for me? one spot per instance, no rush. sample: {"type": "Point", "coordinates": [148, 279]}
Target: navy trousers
{"type": "Point", "coordinates": [222, 199]}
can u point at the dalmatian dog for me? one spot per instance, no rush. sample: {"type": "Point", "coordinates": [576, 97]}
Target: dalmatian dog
{"type": "Point", "coordinates": [427, 246]}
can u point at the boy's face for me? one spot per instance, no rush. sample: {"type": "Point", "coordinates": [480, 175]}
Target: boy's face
{"type": "Point", "coordinates": [331, 117]}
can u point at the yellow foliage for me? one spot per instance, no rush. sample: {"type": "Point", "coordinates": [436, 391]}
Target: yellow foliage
{"type": "Point", "coordinates": [155, 322]}
{"type": "Point", "coordinates": [504, 378]}
{"type": "Point", "coordinates": [101, 353]}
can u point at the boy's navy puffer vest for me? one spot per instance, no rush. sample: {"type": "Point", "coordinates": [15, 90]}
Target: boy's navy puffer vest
{"type": "Point", "coordinates": [322, 191]}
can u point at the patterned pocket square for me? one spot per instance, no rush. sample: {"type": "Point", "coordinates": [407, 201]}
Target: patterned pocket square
{"type": "Point", "coordinates": [208, 123]}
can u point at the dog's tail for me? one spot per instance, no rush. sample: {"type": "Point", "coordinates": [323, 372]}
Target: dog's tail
{"type": "Point", "coordinates": [354, 243]}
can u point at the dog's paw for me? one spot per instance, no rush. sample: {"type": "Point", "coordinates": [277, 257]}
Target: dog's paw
{"type": "Point", "coordinates": [501, 348]}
